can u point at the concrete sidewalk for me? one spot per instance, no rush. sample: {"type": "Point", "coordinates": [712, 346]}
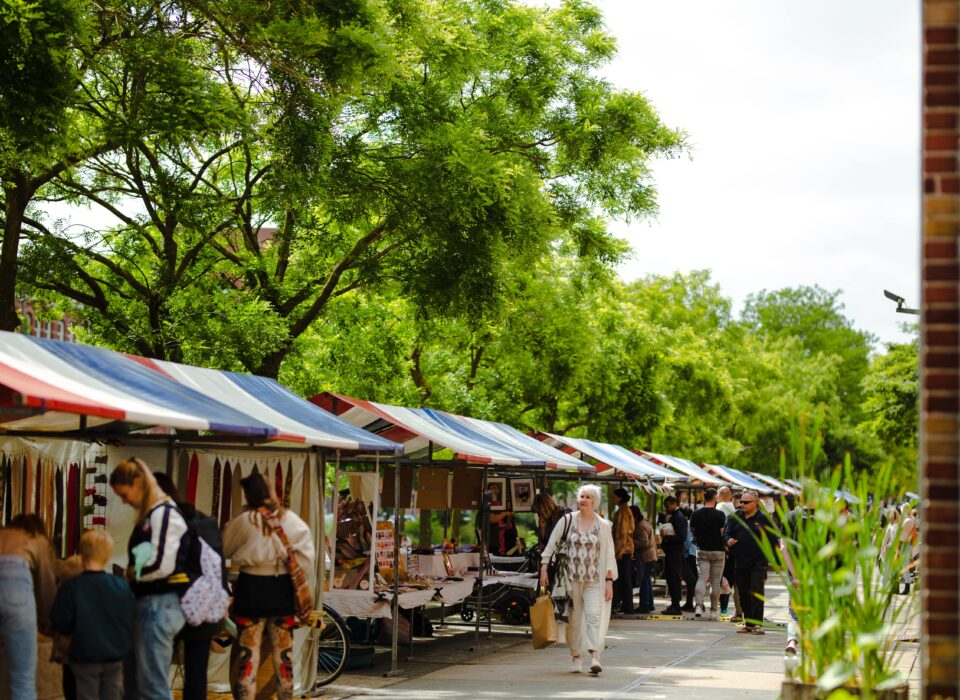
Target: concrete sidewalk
{"type": "Point", "coordinates": [643, 659]}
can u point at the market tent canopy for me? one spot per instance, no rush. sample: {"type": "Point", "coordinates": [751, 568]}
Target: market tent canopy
{"type": "Point", "coordinates": [295, 419]}
{"type": "Point", "coordinates": [684, 466]}
{"type": "Point", "coordinates": [737, 477]}
{"type": "Point", "coordinates": [610, 456]}
{"type": "Point", "coordinates": [512, 436]}
{"type": "Point", "coordinates": [54, 386]}
{"type": "Point", "coordinates": [471, 440]}
{"type": "Point", "coordinates": [781, 486]}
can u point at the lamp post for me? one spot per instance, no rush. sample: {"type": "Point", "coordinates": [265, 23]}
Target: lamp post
{"type": "Point", "coordinates": [901, 309]}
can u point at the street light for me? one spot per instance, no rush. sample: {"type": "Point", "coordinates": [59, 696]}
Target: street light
{"type": "Point", "coordinates": [901, 309]}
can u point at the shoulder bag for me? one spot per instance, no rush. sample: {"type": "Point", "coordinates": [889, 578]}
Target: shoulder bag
{"type": "Point", "coordinates": [558, 560]}
{"type": "Point", "coordinates": [303, 597]}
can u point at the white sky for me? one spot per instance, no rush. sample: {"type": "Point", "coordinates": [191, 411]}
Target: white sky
{"type": "Point", "coordinates": [804, 122]}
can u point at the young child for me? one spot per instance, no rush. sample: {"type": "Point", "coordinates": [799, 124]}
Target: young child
{"type": "Point", "coordinates": [96, 609]}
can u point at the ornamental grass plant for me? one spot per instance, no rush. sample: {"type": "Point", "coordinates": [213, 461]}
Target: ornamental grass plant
{"type": "Point", "coordinates": [843, 592]}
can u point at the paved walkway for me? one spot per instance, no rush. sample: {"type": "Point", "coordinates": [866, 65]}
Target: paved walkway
{"type": "Point", "coordinates": [643, 659]}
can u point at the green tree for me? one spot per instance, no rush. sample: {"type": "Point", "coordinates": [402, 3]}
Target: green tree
{"type": "Point", "coordinates": [814, 317]}
{"type": "Point", "coordinates": [490, 142]}
{"type": "Point", "coordinates": [41, 46]}
{"type": "Point", "coordinates": [892, 403]}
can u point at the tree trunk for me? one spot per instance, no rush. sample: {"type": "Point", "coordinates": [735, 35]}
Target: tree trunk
{"type": "Point", "coordinates": [15, 203]}
{"type": "Point", "coordinates": [455, 525]}
{"type": "Point", "coordinates": [426, 527]}
{"type": "Point", "coordinates": [270, 365]}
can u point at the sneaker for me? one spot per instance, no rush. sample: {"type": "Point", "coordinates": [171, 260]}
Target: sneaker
{"type": "Point", "coordinates": [687, 608]}
{"type": "Point", "coordinates": [595, 666]}
{"type": "Point", "coordinates": [736, 618]}
{"type": "Point", "coordinates": [758, 630]}
{"type": "Point", "coordinates": [576, 664]}
{"type": "Point", "coordinates": [698, 612]}
{"type": "Point", "coordinates": [745, 630]}
{"type": "Point", "coordinates": [723, 611]}
{"type": "Point", "coordinates": [713, 616]}
{"type": "Point", "coordinates": [671, 611]}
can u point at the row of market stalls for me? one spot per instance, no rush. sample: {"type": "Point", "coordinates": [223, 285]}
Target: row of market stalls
{"type": "Point", "coordinates": [69, 411]}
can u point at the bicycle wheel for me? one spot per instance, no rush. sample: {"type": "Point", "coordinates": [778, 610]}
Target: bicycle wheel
{"type": "Point", "coordinates": [333, 645]}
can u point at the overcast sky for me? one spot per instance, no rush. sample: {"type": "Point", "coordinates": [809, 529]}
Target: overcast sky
{"type": "Point", "coordinates": [804, 122]}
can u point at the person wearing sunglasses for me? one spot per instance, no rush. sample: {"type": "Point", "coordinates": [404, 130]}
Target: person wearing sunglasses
{"type": "Point", "coordinates": [742, 536]}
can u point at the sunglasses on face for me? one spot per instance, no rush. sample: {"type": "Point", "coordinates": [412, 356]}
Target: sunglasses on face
{"type": "Point", "coordinates": [746, 503]}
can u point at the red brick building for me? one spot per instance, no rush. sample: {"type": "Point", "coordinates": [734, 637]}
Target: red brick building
{"type": "Point", "coordinates": [940, 352]}
{"type": "Point", "coordinates": [32, 325]}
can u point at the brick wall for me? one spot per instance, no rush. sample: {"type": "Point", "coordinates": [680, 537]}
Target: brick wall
{"type": "Point", "coordinates": [940, 352]}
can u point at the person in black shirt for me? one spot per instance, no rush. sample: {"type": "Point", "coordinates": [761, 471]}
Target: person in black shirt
{"type": "Point", "coordinates": [742, 533]}
{"type": "Point", "coordinates": [674, 544]}
{"type": "Point", "coordinates": [707, 527]}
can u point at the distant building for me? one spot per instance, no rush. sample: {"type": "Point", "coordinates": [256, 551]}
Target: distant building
{"type": "Point", "coordinates": [32, 325]}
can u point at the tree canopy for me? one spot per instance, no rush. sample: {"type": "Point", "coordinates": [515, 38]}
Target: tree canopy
{"type": "Point", "coordinates": [408, 202]}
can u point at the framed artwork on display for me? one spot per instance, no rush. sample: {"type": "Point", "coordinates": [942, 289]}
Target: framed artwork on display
{"type": "Point", "coordinates": [497, 490]}
{"type": "Point", "coordinates": [521, 494]}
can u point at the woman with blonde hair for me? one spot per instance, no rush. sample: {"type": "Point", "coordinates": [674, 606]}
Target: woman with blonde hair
{"type": "Point", "coordinates": [155, 575]}
{"type": "Point", "coordinates": [591, 569]}
{"type": "Point", "coordinates": [264, 596]}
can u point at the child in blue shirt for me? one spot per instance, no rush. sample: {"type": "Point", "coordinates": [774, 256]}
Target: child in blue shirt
{"type": "Point", "coordinates": [96, 610]}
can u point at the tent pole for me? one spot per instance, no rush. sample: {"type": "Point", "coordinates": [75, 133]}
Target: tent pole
{"type": "Point", "coordinates": [395, 642]}
{"type": "Point", "coordinates": [335, 509]}
{"type": "Point", "coordinates": [482, 542]}
{"type": "Point", "coordinates": [320, 459]}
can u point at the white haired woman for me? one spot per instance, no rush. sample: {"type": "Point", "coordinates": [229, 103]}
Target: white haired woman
{"type": "Point", "coordinates": [591, 569]}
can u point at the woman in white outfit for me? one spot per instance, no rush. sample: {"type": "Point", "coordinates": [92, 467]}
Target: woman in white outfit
{"type": "Point", "coordinates": [590, 572]}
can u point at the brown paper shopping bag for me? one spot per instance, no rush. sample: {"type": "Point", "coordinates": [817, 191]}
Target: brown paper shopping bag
{"type": "Point", "coordinates": [543, 624]}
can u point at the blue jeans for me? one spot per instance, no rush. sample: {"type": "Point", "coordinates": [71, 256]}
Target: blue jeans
{"type": "Point", "coordinates": [645, 584]}
{"type": "Point", "coordinates": [18, 626]}
{"type": "Point", "coordinates": [159, 618]}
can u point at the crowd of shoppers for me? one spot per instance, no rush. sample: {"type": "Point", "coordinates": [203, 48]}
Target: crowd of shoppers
{"type": "Point", "coordinates": [115, 634]}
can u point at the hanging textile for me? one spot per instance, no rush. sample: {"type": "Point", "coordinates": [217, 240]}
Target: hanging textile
{"type": "Point", "coordinates": [256, 470]}
{"type": "Point", "coordinates": [236, 492]}
{"type": "Point", "coordinates": [225, 498]}
{"type": "Point", "coordinates": [215, 502]}
{"type": "Point", "coordinates": [183, 470]}
{"type": "Point", "coordinates": [27, 484]}
{"type": "Point", "coordinates": [16, 469]}
{"type": "Point", "coordinates": [38, 489]}
{"type": "Point", "coordinates": [73, 509]}
{"type": "Point", "coordinates": [288, 484]}
{"type": "Point", "coordinates": [3, 486]}
{"type": "Point", "coordinates": [192, 479]}
{"type": "Point", "coordinates": [58, 511]}
{"type": "Point", "coordinates": [278, 482]}
{"type": "Point", "coordinates": [305, 492]}
{"type": "Point", "coordinates": [95, 492]}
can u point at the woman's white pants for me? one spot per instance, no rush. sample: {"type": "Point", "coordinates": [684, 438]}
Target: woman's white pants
{"type": "Point", "coordinates": [585, 612]}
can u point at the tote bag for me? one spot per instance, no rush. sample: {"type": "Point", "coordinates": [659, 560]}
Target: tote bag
{"type": "Point", "coordinates": [543, 623]}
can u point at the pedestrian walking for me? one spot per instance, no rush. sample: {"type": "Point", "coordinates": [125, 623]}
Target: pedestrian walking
{"type": "Point", "coordinates": [96, 609]}
{"type": "Point", "coordinates": [264, 596]}
{"type": "Point", "coordinates": [742, 533]}
{"type": "Point", "coordinates": [590, 572]}
{"type": "Point", "coordinates": [623, 528]}
{"type": "Point", "coordinates": [27, 579]}
{"type": "Point", "coordinates": [645, 556]}
{"type": "Point", "coordinates": [673, 540]}
{"type": "Point", "coordinates": [196, 640]}
{"type": "Point", "coordinates": [690, 574]}
{"type": "Point", "coordinates": [154, 573]}
{"type": "Point", "coordinates": [707, 527]}
{"type": "Point", "coordinates": [725, 505]}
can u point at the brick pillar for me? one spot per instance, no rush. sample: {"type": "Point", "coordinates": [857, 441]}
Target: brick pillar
{"type": "Point", "coordinates": [940, 353]}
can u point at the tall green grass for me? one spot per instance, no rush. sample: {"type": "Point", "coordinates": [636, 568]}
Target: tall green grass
{"type": "Point", "coordinates": [842, 593]}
